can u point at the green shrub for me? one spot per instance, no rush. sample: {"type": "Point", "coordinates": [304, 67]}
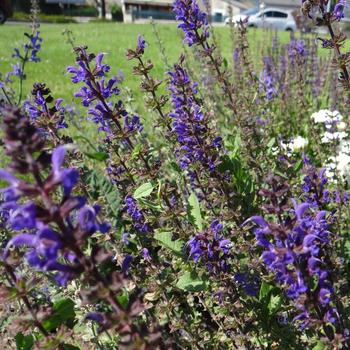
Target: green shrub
{"type": "Point", "coordinates": [84, 11]}
{"type": "Point", "coordinates": [117, 13]}
{"type": "Point", "coordinates": [22, 16]}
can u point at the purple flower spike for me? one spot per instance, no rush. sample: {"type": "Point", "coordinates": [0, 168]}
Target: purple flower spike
{"type": "Point", "coordinates": [194, 21]}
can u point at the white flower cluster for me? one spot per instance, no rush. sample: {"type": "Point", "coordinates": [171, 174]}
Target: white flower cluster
{"type": "Point", "coordinates": [333, 121]}
{"type": "Point", "coordinates": [294, 145]}
{"type": "Point", "coordinates": [339, 164]}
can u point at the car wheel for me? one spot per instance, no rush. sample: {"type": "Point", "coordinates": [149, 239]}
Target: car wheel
{"type": "Point", "coordinates": [289, 30]}
{"type": "Point", "coordinates": [2, 16]}
{"type": "Point", "coordinates": [252, 26]}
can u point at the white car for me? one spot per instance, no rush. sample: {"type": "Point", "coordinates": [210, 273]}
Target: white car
{"type": "Point", "coordinates": [270, 18]}
{"type": "Point", "coordinates": [242, 16]}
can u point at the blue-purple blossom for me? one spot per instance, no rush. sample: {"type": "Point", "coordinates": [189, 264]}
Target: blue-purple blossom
{"type": "Point", "coordinates": [136, 215]}
{"type": "Point", "coordinates": [141, 43]}
{"type": "Point", "coordinates": [46, 246]}
{"type": "Point", "coordinates": [194, 21]}
{"type": "Point", "coordinates": [211, 248]}
{"type": "Point", "coordinates": [296, 50]}
{"type": "Point", "coordinates": [338, 12]}
{"type": "Point", "coordinates": [41, 113]}
{"type": "Point", "coordinates": [33, 47]}
{"type": "Point", "coordinates": [267, 80]}
{"type": "Point", "coordinates": [190, 124]}
{"type": "Point", "coordinates": [98, 91]}
{"type": "Point", "coordinates": [294, 252]}
{"type": "Point", "coordinates": [16, 72]}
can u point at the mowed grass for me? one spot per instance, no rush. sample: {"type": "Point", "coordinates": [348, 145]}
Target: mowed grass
{"type": "Point", "coordinates": [113, 39]}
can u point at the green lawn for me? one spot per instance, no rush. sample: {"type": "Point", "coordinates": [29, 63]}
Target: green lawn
{"type": "Point", "coordinates": [111, 38]}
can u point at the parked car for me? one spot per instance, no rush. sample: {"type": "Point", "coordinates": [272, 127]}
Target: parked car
{"type": "Point", "coordinates": [270, 18]}
{"type": "Point", "coordinates": [242, 16]}
{"type": "Point", "coordinates": [6, 10]}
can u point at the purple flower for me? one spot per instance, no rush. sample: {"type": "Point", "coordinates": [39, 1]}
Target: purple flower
{"type": "Point", "coordinates": [210, 247]}
{"type": "Point", "coordinates": [97, 93]}
{"type": "Point", "coordinates": [126, 263]}
{"type": "Point", "coordinates": [146, 255]}
{"type": "Point", "coordinates": [267, 80]}
{"type": "Point", "coordinates": [68, 177]}
{"type": "Point", "coordinates": [41, 113]}
{"type": "Point", "coordinates": [136, 214]}
{"type": "Point", "coordinates": [338, 12]}
{"type": "Point", "coordinates": [88, 222]}
{"type": "Point", "coordinates": [141, 43]}
{"type": "Point", "coordinates": [197, 145]}
{"type": "Point", "coordinates": [194, 21]}
{"type": "Point", "coordinates": [293, 251]}
{"type": "Point", "coordinates": [297, 50]}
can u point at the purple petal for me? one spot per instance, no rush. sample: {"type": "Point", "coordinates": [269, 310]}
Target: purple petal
{"type": "Point", "coordinates": [58, 158]}
{"type": "Point", "coordinates": [24, 239]}
{"type": "Point", "coordinates": [8, 177]}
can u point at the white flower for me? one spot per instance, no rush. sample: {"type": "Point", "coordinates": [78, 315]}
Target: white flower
{"type": "Point", "coordinates": [341, 126]}
{"type": "Point", "coordinates": [295, 145]}
{"type": "Point", "coordinates": [326, 116]}
{"type": "Point", "coordinates": [299, 143]}
{"type": "Point", "coordinates": [322, 116]}
{"type": "Point", "coordinates": [330, 136]}
{"type": "Point", "coordinates": [342, 163]}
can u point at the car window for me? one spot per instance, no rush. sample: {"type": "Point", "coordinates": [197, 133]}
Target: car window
{"type": "Point", "coordinates": [278, 14]}
{"type": "Point", "coordinates": [269, 14]}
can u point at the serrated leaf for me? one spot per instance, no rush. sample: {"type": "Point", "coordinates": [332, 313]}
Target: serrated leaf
{"type": "Point", "coordinates": [194, 212]}
{"type": "Point", "coordinates": [143, 191]}
{"type": "Point", "coordinates": [165, 238]}
{"type": "Point", "coordinates": [63, 312]}
{"type": "Point", "coordinates": [101, 187]}
{"type": "Point", "coordinates": [274, 304]}
{"type": "Point", "coordinates": [190, 282]}
{"type": "Point", "coordinates": [24, 342]}
{"type": "Point", "coordinates": [265, 289]}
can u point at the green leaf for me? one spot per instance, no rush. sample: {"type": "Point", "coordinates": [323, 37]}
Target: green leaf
{"type": "Point", "coordinates": [190, 282]}
{"type": "Point", "coordinates": [24, 342]}
{"type": "Point", "coordinates": [101, 187]}
{"type": "Point", "coordinates": [271, 143]}
{"type": "Point", "coordinates": [143, 191]}
{"type": "Point", "coordinates": [63, 312]}
{"type": "Point", "coordinates": [151, 205]}
{"type": "Point", "coordinates": [313, 283]}
{"type": "Point", "coordinates": [274, 304]}
{"type": "Point", "coordinates": [265, 289]}
{"type": "Point", "coordinates": [165, 239]}
{"type": "Point", "coordinates": [298, 165]}
{"type": "Point", "coordinates": [194, 212]}
{"type": "Point", "coordinates": [70, 347]}
{"type": "Point", "coordinates": [176, 167]}
{"type": "Point", "coordinates": [123, 299]}
{"type": "Point", "coordinates": [136, 151]}
{"type": "Point", "coordinates": [319, 346]}
{"type": "Point", "coordinates": [100, 156]}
